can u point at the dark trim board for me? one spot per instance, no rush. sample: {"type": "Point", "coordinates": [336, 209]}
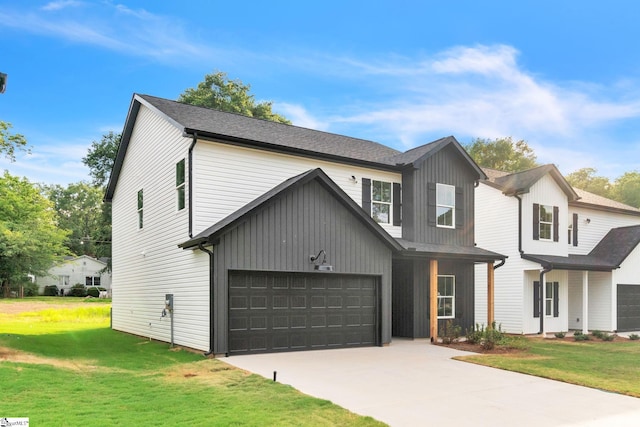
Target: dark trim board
{"type": "Point", "coordinates": [294, 311]}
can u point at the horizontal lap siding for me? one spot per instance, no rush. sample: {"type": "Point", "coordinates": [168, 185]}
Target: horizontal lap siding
{"type": "Point", "coordinates": [227, 177]}
{"type": "Point", "coordinates": [147, 264]}
{"type": "Point", "coordinates": [282, 237]}
{"type": "Point", "coordinates": [600, 222]}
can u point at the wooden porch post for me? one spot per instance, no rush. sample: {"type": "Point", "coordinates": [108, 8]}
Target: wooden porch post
{"type": "Point", "coordinates": [490, 294]}
{"type": "Point", "coordinates": [433, 299]}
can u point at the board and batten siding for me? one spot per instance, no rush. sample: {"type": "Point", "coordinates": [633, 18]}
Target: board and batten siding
{"type": "Point", "coordinates": [227, 177]}
{"type": "Point", "coordinates": [147, 263]}
{"type": "Point", "coordinates": [600, 222]}
{"type": "Point", "coordinates": [445, 167]}
{"type": "Point", "coordinates": [282, 236]}
{"type": "Point", "coordinates": [545, 192]}
{"type": "Point", "coordinates": [496, 218]}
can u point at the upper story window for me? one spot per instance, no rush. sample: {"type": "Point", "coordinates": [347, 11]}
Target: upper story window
{"type": "Point", "coordinates": [140, 208]}
{"type": "Point", "coordinates": [545, 222]}
{"type": "Point", "coordinates": [446, 297]}
{"type": "Point", "coordinates": [180, 184]}
{"type": "Point", "coordinates": [573, 230]}
{"type": "Point", "coordinates": [381, 201]}
{"type": "Point", "coordinates": [445, 205]}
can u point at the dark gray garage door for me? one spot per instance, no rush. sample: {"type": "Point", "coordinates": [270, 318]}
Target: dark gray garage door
{"type": "Point", "coordinates": [628, 308]}
{"type": "Point", "coordinates": [272, 312]}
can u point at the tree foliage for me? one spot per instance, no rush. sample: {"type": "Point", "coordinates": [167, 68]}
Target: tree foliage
{"type": "Point", "coordinates": [79, 207]}
{"type": "Point", "coordinates": [627, 188]}
{"type": "Point", "coordinates": [101, 157]}
{"type": "Point", "coordinates": [9, 142]}
{"type": "Point", "coordinates": [585, 179]}
{"type": "Point", "coordinates": [219, 92]}
{"type": "Point", "coordinates": [30, 239]}
{"type": "Point", "coordinates": [502, 154]}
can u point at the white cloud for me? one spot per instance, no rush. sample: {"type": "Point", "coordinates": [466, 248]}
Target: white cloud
{"type": "Point", "coordinates": [300, 116]}
{"type": "Point", "coordinates": [61, 4]}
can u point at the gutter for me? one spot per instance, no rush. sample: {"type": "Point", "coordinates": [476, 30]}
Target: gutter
{"type": "Point", "coordinates": [211, 297]}
{"type": "Point", "coordinates": [517, 196]}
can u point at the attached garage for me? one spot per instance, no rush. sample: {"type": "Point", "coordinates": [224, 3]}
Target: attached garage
{"type": "Point", "coordinates": [272, 312]}
{"type": "Point", "coordinates": [628, 308]}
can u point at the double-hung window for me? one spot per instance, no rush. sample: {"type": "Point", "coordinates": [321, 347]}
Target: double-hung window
{"type": "Point", "coordinates": [140, 209]}
{"type": "Point", "coordinates": [546, 222]}
{"type": "Point", "coordinates": [445, 205]}
{"type": "Point", "coordinates": [551, 302]}
{"type": "Point", "coordinates": [180, 184]}
{"type": "Point", "coordinates": [381, 201]}
{"type": "Point", "coordinates": [446, 297]}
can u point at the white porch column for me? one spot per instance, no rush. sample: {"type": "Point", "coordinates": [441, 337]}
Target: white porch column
{"type": "Point", "coordinates": [585, 302]}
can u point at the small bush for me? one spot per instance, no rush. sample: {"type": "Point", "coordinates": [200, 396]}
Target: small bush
{"type": "Point", "coordinates": [634, 337]}
{"type": "Point", "coordinates": [560, 334]}
{"type": "Point", "coordinates": [580, 337]}
{"type": "Point", "coordinates": [492, 336]}
{"type": "Point", "coordinates": [598, 334]}
{"type": "Point", "coordinates": [94, 291]}
{"type": "Point", "coordinates": [607, 337]}
{"type": "Point", "coordinates": [51, 291]}
{"type": "Point", "coordinates": [77, 290]}
{"type": "Point", "coordinates": [29, 289]}
{"type": "Point", "coordinates": [475, 335]}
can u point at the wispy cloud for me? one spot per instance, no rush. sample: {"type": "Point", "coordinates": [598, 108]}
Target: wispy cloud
{"type": "Point", "coordinates": [61, 4]}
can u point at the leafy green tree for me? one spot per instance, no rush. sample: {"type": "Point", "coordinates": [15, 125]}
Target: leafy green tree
{"type": "Point", "coordinates": [585, 179]}
{"type": "Point", "coordinates": [219, 92]}
{"type": "Point", "coordinates": [30, 239]}
{"type": "Point", "coordinates": [627, 188]}
{"type": "Point", "coordinates": [79, 208]}
{"type": "Point", "coordinates": [502, 154]}
{"type": "Point", "coordinates": [101, 156]}
{"type": "Point", "coordinates": [9, 142]}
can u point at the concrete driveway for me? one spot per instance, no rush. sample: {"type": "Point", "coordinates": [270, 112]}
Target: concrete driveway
{"type": "Point", "coordinates": [412, 383]}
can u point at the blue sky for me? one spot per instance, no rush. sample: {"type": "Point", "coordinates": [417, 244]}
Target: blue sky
{"type": "Point", "coordinates": [562, 75]}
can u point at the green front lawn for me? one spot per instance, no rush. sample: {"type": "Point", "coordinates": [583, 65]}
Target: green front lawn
{"type": "Point", "coordinates": [611, 366]}
{"type": "Point", "coordinates": [66, 367]}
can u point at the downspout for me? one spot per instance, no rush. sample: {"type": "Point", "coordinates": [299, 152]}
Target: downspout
{"type": "Point", "coordinates": [193, 144]}
{"type": "Point", "coordinates": [544, 271]}
{"type": "Point", "coordinates": [211, 297]}
{"type": "Point", "coordinates": [519, 223]}
{"type": "Point", "coordinates": [500, 264]}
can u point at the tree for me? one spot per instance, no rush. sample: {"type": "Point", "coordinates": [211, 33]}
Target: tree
{"type": "Point", "coordinates": [502, 154]}
{"type": "Point", "coordinates": [80, 210]}
{"type": "Point", "coordinates": [30, 239]}
{"type": "Point", "coordinates": [9, 142]}
{"type": "Point", "coordinates": [219, 92]}
{"type": "Point", "coordinates": [627, 189]}
{"type": "Point", "coordinates": [585, 179]}
{"type": "Point", "coordinates": [101, 157]}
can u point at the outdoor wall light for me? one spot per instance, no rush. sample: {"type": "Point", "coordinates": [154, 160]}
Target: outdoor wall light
{"type": "Point", "coordinates": [353, 179]}
{"type": "Point", "coordinates": [588, 220]}
{"type": "Point", "coordinates": [323, 266]}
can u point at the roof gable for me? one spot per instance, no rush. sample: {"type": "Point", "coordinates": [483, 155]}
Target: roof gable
{"type": "Point", "coordinates": [617, 244]}
{"type": "Point", "coordinates": [521, 182]}
{"type": "Point", "coordinates": [228, 223]}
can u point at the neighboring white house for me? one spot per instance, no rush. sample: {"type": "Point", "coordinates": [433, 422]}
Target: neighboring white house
{"type": "Point", "coordinates": [583, 247]}
{"type": "Point", "coordinates": [84, 270]}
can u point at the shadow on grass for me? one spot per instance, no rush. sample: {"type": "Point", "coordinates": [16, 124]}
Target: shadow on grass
{"type": "Point", "coordinates": [101, 346]}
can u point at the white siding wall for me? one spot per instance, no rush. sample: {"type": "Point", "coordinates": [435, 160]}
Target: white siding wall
{"type": "Point", "coordinates": [576, 318]}
{"type": "Point", "coordinates": [600, 301]}
{"type": "Point", "coordinates": [589, 234]}
{"type": "Point", "coordinates": [496, 229]}
{"type": "Point", "coordinates": [227, 177]}
{"type": "Point", "coordinates": [147, 264]}
{"type": "Point", "coordinates": [551, 324]}
{"type": "Point", "coordinates": [545, 192]}
{"type": "Point", "coordinates": [629, 272]}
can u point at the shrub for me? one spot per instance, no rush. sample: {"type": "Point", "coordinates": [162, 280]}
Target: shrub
{"type": "Point", "coordinates": [30, 289]}
{"type": "Point", "coordinates": [77, 290]}
{"type": "Point", "coordinates": [475, 335]}
{"type": "Point", "coordinates": [51, 291]}
{"type": "Point", "coordinates": [579, 336]}
{"type": "Point", "coordinates": [560, 334]}
{"type": "Point", "coordinates": [634, 337]}
{"type": "Point", "coordinates": [492, 336]}
{"type": "Point", "coordinates": [94, 291]}
{"type": "Point", "coordinates": [607, 337]}
{"type": "Point", "coordinates": [598, 334]}
{"type": "Point", "coordinates": [450, 333]}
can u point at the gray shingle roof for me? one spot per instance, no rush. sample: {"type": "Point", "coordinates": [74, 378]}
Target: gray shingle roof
{"type": "Point", "coordinates": [420, 249]}
{"type": "Point", "coordinates": [593, 200]}
{"type": "Point", "coordinates": [521, 182]}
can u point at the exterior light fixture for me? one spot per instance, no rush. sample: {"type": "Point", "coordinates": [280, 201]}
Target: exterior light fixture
{"type": "Point", "coordinates": [323, 266]}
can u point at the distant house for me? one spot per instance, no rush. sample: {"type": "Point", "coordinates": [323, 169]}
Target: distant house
{"type": "Point", "coordinates": [84, 270]}
{"type": "Point", "coordinates": [268, 237]}
{"type": "Point", "coordinates": [583, 248]}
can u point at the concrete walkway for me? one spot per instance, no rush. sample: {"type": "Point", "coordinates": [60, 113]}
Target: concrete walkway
{"type": "Point", "coordinates": [412, 383]}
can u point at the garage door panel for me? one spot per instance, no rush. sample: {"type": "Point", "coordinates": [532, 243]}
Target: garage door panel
{"type": "Point", "coordinates": [628, 308]}
{"type": "Point", "coordinates": [300, 311]}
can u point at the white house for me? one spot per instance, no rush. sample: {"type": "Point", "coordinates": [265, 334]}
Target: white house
{"type": "Point", "coordinates": [583, 247]}
{"type": "Point", "coordinates": [236, 235]}
{"type": "Point", "coordinates": [84, 270]}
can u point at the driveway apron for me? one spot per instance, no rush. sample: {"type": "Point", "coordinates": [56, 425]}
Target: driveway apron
{"type": "Point", "coordinates": [414, 383]}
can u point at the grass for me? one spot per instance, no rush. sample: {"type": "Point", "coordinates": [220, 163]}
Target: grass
{"type": "Point", "coordinates": [611, 366]}
{"type": "Point", "coordinates": [67, 368]}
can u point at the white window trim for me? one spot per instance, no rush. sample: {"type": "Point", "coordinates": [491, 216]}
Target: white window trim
{"type": "Point", "coordinates": [452, 207]}
{"type": "Point", "coordinates": [452, 297]}
{"type": "Point", "coordinates": [182, 186]}
{"type": "Point", "coordinates": [140, 209]}
{"type": "Point", "coordinates": [540, 222]}
{"type": "Point", "coordinates": [389, 203]}
{"type": "Point", "coordinates": [548, 298]}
